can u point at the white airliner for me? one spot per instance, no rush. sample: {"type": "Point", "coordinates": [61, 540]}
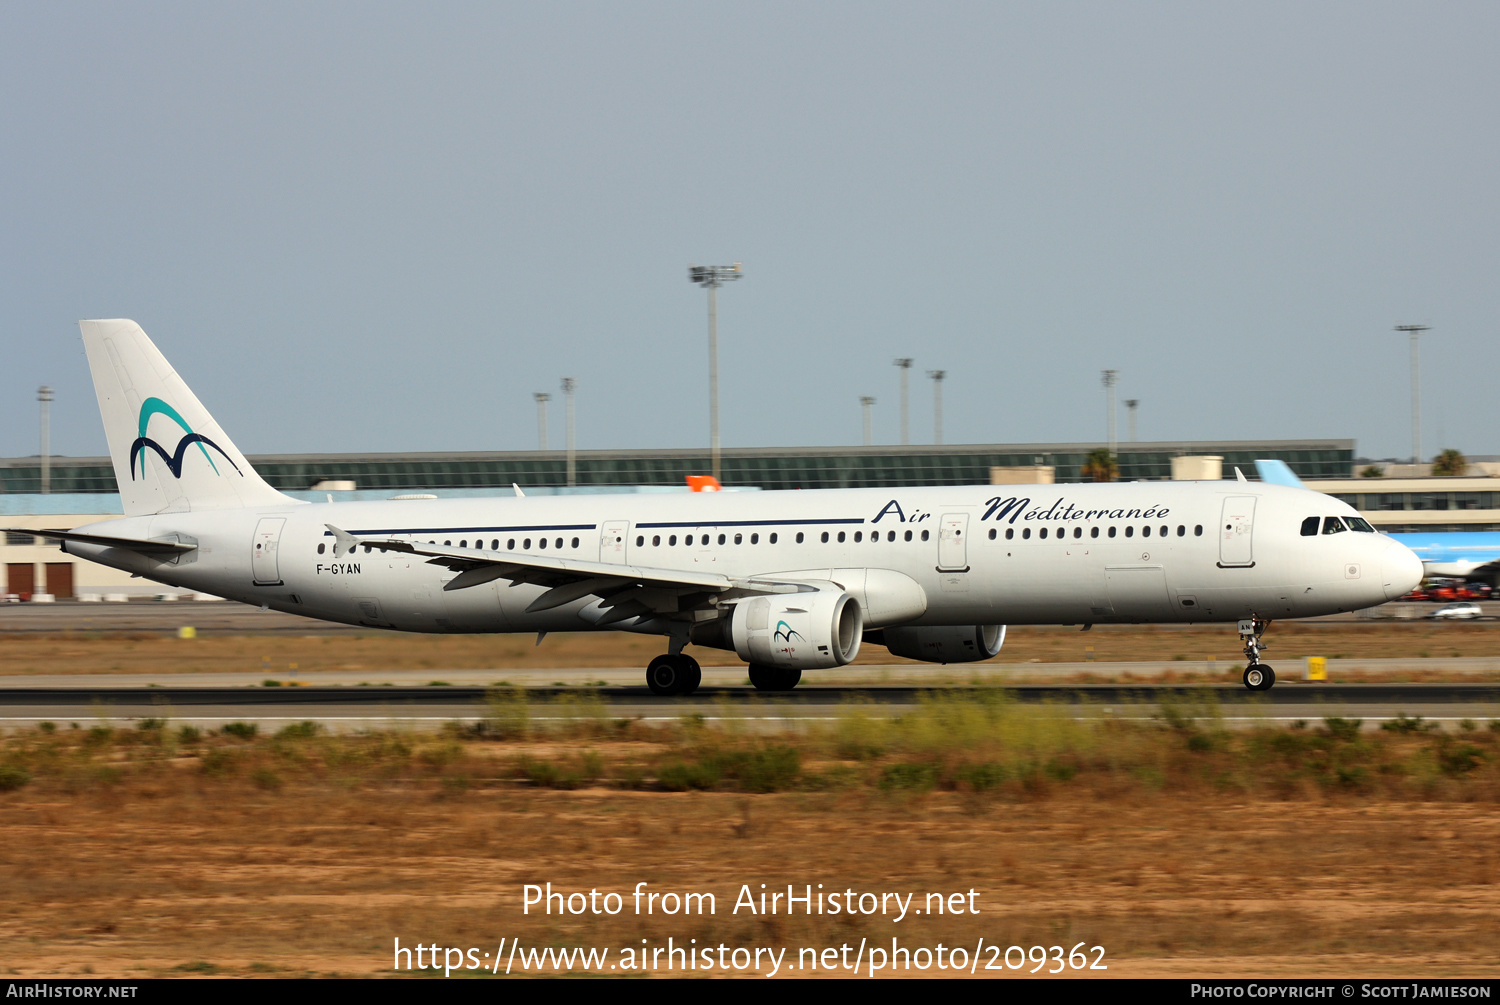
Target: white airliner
{"type": "Point", "coordinates": [790, 581]}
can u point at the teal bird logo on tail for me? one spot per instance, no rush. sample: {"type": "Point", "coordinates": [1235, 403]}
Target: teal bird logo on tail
{"type": "Point", "coordinates": [155, 406]}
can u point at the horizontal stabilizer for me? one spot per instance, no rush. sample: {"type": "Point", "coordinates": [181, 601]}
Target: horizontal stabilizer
{"type": "Point", "coordinates": [163, 548]}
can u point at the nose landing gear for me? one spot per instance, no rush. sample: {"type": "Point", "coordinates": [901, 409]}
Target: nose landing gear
{"type": "Point", "coordinates": [1258, 676]}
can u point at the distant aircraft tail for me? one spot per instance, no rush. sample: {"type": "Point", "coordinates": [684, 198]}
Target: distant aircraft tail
{"type": "Point", "coordinates": [170, 456]}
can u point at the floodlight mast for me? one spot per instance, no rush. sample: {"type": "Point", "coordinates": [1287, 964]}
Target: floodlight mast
{"type": "Point", "coordinates": [542, 397]}
{"type": "Point", "coordinates": [711, 277]}
{"type": "Point", "coordinates": [1111, 378]}
{"type": "Point", "coordinates": [865, 401]}
{"type": "Point", "coordinates": [903, 363]}
{"type": "Point", "coordinates": [1416, 392]}
{"type": "Point", "coordinates": [44, 395]}
{"type": "Point", "coordinates": [569, 385]}
{"type": "Point", "coordinates": [937, 404]}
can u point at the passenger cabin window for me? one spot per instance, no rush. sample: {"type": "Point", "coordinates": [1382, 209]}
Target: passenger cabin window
{"type": "Point", "coordinates": [1333, 525]}
{"type": "Point", "coordinates": [992, 537]}
{"type": "Point", "coordinates": [841, 537]}
{"type": "Point", "coordinates": [1198, 530]}
{"type": "Point", "coordinates": [772, 539]}
{"type": "Point", "coordinates": [1310, 527]}
{"type": "Point", "coordinates": [1093, 532]}
{"type": "Point", "coordinates": [924, 535]}
{"type": "Point", "coordinates": [825, 537]}
{"type": "Point", "coordinates": [755, 539]}
{"type": "Point", "coordinates": [908, 535]}
{"type": "Point", "coordinates": [1010, 533]}
{"type": "Point", "coordinates": [640, 539]}
{"type": "Point", "coordinates": [1130, 532]}
{"type": "Point", "coordinates": [320, 549]}
{"type": "Point", "coordinates": [1112, 532]}
{"type": "Point", "coordinates": [1042, 533]}
{"type": "Point", "coordinates": [1026, 534]}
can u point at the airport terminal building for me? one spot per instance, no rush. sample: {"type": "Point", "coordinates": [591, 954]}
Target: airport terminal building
{"type": "Point", "coordinates": [81, 490]}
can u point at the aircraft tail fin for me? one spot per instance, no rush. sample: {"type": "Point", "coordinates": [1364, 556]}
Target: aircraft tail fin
{"type": "Point", "coordinates": [1276, 472]}
{"type": "Point", "coordinates": [169, 454]}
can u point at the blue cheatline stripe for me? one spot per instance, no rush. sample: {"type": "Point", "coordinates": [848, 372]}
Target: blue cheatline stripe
{"type": "Point", "coordinates": [748, 523]}
{"type": "Point", "coordinates": [473, 530]}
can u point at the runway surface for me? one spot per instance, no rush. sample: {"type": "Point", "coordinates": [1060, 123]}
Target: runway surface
{"type": "Point", "coordinates": [416, 707]}
{"type": "Point", "coordinates": [222, 617]}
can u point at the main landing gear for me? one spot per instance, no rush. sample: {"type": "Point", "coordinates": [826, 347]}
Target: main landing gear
{"type": "Point", "coordinates": [673, 674]}
{"type": "Point", "coordinates": [773, 678]}
{"type": "Point", "coordinates": [1258, 676]}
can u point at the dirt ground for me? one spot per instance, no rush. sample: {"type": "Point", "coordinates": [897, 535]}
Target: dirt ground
{"type": "Point", "coordinates": [305, 882]}
{"type": "Point", "coordinates": [183, 869]}
{"type": "Point", "coordinates": [155, 653]}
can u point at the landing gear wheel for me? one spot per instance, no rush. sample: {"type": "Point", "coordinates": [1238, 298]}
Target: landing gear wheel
{"type": "Point", "coordinates": [773, 678]}
{"type": "Point", "coordinates": [664, 675]}
{"type": "Point", "coordinates": [1259, 677]}
{"type": "Point", "coordinates": [670, 674]}
{"type": "Point", "coordinates": [692, 674]}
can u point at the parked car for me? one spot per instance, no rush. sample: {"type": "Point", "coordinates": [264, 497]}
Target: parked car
{"type": "Point", "coordinates": [1457, 612]}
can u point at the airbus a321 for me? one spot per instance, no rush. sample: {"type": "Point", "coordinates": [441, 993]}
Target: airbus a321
{"type": "Point", "coordinates": [790, 581]}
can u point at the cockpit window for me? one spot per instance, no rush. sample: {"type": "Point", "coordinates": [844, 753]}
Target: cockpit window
{"type": "Point", "coordinates": [1333, 525]}
{"type": "Point", "coordinates": [1359, 523]}
{"type": "Point", "coordinates": [1310, 526]}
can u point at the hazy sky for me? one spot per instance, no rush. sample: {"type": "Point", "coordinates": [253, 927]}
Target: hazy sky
{"type": "Point", "coordinates": [377, 227]}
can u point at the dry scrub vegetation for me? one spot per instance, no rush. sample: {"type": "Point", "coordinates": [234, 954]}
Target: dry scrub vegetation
{"type": "Point", "coordinates": [144, 652]}
{"type": "Point", "coordinates": [1180, 847]}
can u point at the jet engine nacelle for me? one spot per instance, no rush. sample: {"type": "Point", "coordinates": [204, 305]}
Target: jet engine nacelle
{"type": "Point", "coordinates": [804, 631]}
{"type": "Point", "coordinates": [944, 643]}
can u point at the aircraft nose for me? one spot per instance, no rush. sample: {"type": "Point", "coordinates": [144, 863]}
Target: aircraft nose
{"type": "Point", "coordinates": [1400, 569]}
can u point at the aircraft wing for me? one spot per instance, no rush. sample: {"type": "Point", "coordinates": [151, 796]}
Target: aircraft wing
{"type": "Point", "coordinates": [626, 591]}
{"type": "Point", "coordinates": [152, 548]}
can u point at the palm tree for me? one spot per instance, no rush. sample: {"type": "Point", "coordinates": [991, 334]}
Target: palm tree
{"type": "Point", "coordinates": [1101, 466]}
{"type": "Point", "coordinates": [1450, 462]}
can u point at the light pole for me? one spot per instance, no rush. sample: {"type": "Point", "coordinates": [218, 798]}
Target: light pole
{"type": "Point", "coordinates": [542, 397]}
{"type": "Point", "coordinates": [937, 404]}
{"type": "Point", "coordinates": [1416, 392]}
{"type": "Point", "coordinates": [568, 385]}
{"type": "Point", "coordinates": [711, 277]}
{"type": "Point", "coordinates": [865, 401]}
{"type": "Point", "coordinates": [44, 395]}
{"type": "Point", "coordinates": [1111, 377]}
{"type": "Point", "coordinates": [904, 363]}
{"type": "Point", "coordinates": [1130, 404]}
